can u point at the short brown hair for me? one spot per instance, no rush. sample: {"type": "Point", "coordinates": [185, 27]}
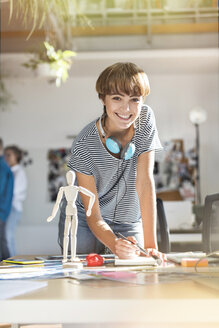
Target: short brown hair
{"type": "Point", "coordinates": [123, 77]}
{"type": "Point", "coordinates": [17, 151]}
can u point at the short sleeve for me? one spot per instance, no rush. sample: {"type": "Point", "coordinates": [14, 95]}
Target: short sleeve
{"type": "Point", "coordinates": [149, 139]}
{"type": "Point", "coordinates": [80, 160]}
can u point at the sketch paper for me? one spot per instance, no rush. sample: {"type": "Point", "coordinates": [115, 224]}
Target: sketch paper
{"type": "Point", "coordinates": [148, 278]}
{"type": "Point", "coordinates": [9, 289]}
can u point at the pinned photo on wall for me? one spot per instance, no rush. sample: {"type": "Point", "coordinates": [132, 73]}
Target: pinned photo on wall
{"type": "Point", "coordinates": [58, 159]}
{"type": "Point", "coordinates": [174, 173]}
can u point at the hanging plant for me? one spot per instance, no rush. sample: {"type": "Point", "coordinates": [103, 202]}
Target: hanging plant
{"type": "Point", "coordinates": [55, 17]}
{"type": "Point", "coordinates": [55, 64]}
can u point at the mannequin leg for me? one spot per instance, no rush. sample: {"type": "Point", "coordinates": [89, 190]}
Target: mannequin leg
{"type": "Point", "coordinates": [74, 227]}
{"type": "Point", "coordinates": [66, 238]}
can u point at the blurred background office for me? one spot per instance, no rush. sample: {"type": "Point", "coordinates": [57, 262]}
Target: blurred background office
{"type": "Point", "coordinates": [48, 95]}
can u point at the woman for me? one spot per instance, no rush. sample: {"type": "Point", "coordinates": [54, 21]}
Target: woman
{"type": "Point", "coordinates": [113, 157]}
{"type": "Point", "coordinates": [13, 156]}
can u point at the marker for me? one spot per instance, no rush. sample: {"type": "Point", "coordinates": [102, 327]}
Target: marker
{"type": "Point", "coordinates": [159, 261]}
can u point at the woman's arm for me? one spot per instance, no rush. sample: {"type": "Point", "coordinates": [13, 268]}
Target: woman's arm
{"type": "Point", "coordinates": [147, 198]}
{"type": "Point", "coordinates": [98, 226]}
{"type": "Point", "coordinates": [95, 221]}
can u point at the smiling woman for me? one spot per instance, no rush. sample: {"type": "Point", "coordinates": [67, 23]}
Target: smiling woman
{"type": "Point", "coordinates": [122, 89]}
{"type": "Point", "coordinates": [127, 78]}
{"type": "Point", "coordinates": [121, 180]}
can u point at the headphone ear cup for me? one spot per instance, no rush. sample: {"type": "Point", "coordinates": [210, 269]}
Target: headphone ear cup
{"type": "Point", "coordinates": [113, 145]}
{"type": "Point", "coordinates": [128, 151]}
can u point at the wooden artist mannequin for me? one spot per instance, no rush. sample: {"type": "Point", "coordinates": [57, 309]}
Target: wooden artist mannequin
{"type": "Point", "coordinates": [71, 221]}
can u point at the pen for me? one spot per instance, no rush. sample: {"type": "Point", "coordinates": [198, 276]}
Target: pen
{"type": "Point", "coordinates": [159, 261]}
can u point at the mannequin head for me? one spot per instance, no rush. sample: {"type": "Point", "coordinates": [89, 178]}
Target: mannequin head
{"type": "Point", "coordinates": [70, 177]}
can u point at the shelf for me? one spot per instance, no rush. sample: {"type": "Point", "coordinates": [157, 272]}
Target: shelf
{"type": "Point", "coordinates": [109, 12]}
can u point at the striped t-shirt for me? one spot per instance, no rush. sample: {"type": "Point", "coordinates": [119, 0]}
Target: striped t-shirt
{"type": "Point", "coordinates": [115, 178]}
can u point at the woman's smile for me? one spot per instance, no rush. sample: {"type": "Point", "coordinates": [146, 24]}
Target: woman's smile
{"type": "Point", "coordinates": [124, 117]}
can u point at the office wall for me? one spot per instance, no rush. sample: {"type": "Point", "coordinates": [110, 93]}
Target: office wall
{"type": "Point", "coordinates": [44, 116]}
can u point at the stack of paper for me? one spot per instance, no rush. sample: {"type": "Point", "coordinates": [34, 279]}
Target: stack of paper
{"type": "Point", "coordinates": [9, 289]}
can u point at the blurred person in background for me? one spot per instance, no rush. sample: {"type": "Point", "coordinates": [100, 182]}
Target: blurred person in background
{"type": "Point", "coordinates": [13, 156]}
{"type": "Point", "coordinates": [6, 193]}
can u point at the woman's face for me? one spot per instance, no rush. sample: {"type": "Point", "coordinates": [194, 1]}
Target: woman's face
{"type": "Point", "coordinates": [122, 109]}
{"type": "Point", "coordinates": [10, 157]}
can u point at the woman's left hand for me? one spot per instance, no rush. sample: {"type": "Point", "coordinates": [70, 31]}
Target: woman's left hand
{"type": "Point", "coordinates": [155, 252]}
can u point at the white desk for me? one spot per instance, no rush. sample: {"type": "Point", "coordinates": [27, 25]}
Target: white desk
{"type": "Point", "coordinates": [117, 304]}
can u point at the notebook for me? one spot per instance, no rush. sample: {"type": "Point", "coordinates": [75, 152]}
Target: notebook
{"type": "Point", "coordinates": [139, 260]}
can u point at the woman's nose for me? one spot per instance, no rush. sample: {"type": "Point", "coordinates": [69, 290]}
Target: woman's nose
{"type": "Point", "coordinates": [126, 107]}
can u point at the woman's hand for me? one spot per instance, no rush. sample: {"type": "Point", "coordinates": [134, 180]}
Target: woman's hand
{"type": "Point", "coordinates": [155, 252]}
{"type": "Point", "coordinates": [126, 249]}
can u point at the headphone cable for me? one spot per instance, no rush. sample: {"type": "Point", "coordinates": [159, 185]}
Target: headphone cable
{"type": "Point", "coordinates": [118, 179]}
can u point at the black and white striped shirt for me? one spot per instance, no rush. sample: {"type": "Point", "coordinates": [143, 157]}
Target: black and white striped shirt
{"type": "Point", "coordinates": [115, 178]}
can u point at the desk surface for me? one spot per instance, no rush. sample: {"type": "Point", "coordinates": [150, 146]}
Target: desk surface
{"type": "Point", "coordinates": [99, 301]}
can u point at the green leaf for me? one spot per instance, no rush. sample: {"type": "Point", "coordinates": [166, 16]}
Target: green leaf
{"type": "Point", "coordinates": [68, 53]}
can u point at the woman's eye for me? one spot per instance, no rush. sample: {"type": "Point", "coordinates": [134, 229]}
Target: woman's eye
{"type": "Point", "coordinates": [116, 98]}
{"type": "Point", "coordinates": [135, 99]}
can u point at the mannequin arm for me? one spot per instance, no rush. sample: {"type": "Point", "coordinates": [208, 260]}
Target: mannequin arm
{"type": "Point", "coordinates": [56, 206]}
{"type": "Point", "coordinates": [91, 201]}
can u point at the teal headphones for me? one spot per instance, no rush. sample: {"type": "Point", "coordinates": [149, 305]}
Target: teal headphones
{"type": "Point", "coordinates": [115, 147]}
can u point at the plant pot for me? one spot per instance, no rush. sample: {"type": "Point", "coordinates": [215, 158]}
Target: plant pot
{"type": "Point", "coordinates": [45, 70]}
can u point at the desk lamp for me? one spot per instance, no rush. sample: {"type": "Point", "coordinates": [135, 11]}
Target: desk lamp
{"type": "Point", "coordinates": [197, 116]}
